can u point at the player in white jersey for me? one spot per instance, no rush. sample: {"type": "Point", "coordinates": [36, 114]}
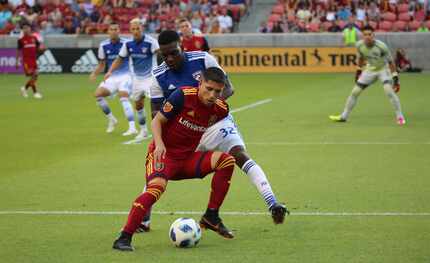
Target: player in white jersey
{"type": "Point", "coordinates": [119, 81]}
{"type": "Point", "coordinates": [142, 51]}
{"type": "Point", "coordinates": [375, 57]}
{"type": "Point", "coordinates": [183, 69]}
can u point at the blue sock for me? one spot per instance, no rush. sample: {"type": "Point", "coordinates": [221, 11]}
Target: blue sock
{"type": "Point", "coordinates": [103, 105]}
{"type": "Point", "coordinates": [141, 117]}
{"type": "Point", "coordinates": [128, 109]}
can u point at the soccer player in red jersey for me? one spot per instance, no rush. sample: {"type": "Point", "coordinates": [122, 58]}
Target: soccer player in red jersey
{"type": "Point", "coordinates": [28, 46]}
{"type": "Point", "coordinates": [189, 40]}
{"type": "Point", "coordinates": [177, 129]}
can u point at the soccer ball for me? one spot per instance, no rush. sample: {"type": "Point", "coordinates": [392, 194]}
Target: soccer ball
{"type": "Point", "coordinates": [185, 232]}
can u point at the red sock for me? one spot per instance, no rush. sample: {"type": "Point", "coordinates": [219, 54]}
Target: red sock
{"type": "Point", "coordinates": [221, 180]}
{"type": "Point", "coordinates": [141, 206]}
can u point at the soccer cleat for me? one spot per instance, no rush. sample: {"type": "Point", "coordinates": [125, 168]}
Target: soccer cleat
{"type": "Point", "coordinates": [123, 243]}
{"type": "Point", "coordinates": [144, 227]}
{"type": "Point", "coordinates": [24, 92]}
{"type": "Point", "coordinates": [214, 223]}
{"type": "Point", "coordinates": [129, 132]}
{"type": "Point", "coordinates": [143, 134]}
{"type": "Point", "coordinates": [278, 212]}
{"type": "Point", "coordinates": [37, 95]}
{"type": "Point", "coordinates": [401, 121]}
{"type": "Point", "coordinates": [111, 125]}
{"type": "Point", "coordinates": [337, 118]}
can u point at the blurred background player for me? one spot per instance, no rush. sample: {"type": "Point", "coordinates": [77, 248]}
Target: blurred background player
{"type": "Point", "coordinates": [190, 41]}
{"type": "Point", "coordinates": [184, 69]}
{"type": "Point", "coordinates": [177, 129]}
{"type": "Point", "coordinates": [379, 65]}
{"type": "Point", "coordinates": [119, 81]}
{"type": "Point", "coordinates": [142, 51]}
{"type": "Point", "coordinates": [28, 47]}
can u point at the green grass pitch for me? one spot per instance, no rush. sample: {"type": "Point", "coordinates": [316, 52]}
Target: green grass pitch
{"type": "Point", "coordinates": [56, 156]}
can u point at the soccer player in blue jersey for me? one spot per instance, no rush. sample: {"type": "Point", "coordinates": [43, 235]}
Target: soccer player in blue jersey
{"type": "Point", "coordinates": [184, 69]}
{"type": "Point", "coordinates": [119, 81]}
{"type": "Point", "coordinates": [142, 52]}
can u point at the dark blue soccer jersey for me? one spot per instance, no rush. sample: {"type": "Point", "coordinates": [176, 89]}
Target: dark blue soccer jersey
{"type": "Point", "coordinates": [167, 80]}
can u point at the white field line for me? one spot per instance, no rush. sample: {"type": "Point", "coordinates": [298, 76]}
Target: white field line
{"type": "Point", "coordinates": [249, 106]}
{"type": "Point", "coordinates": [252, 105]}
{"type": "Point", "coordinates": [231, 213]}
{"type": "Point", "coordinates": [335, 143]}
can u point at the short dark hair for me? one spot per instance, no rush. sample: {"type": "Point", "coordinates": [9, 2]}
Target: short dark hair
{"type": "Point", "coordinates": [168, 36]}
{"type": "Point", "coordinates": [368, 28]}
{"type": "Point", "coordinates": [113, 23]}
{"type": "Point", "coordinates": [214, 74]}
{"type": "Point", "coordinates": [25, 23]}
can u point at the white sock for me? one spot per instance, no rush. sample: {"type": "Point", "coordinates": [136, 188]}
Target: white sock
{"type": "Point", "coordinates": [259, 179]}
{"type": "Point", "coordinates": [128, 112]}
{"type": "Point", "coordinates": [394, 99]}
{"type": "Point", "coordinates": [351, 101]}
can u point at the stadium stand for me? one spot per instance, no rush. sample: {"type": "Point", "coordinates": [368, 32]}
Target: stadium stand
{"type": "Point", "coordinates": [382, 15]}
{"type": "Point", "coordinates": [94, 16]}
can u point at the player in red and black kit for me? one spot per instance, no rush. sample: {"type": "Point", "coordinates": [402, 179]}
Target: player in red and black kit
{"type": "Point", "coordinates": [189, 40]}
{"type": "Point", "coordinates": [28, 45]}
{"type": "Point", "coordinates": [177, 129]}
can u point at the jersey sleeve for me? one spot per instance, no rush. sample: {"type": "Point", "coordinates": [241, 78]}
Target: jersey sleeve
{"type": "Point", "coordinates": [154, 45]}
{"type": "Point", "coordinates": [101, 53]}
{"type": "Point", "coordinates": [210, 61]}
{"type": "Point", "coordinates": [386, 52]}
{"type": "Point", "coordinates": [173, 105]}
{"type": "Point", "coordinates": [123, 52]}
{"type": "Point", "coordinates": [155, 91]}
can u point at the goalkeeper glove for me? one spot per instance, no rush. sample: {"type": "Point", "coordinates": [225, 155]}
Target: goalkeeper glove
{"type": "Point", "coordinates": [396, 82]}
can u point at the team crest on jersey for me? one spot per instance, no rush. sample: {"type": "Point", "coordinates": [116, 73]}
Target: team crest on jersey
{"type": "Point", "coordinates": [212, 120]}
{"type": "Point", "coordinates": [191, 113]}
{"type": "Point", "coordinates": [159, 166]}
{"type": "Point", "coordinates": [197, 75]}
{"type": "Point", "coordinates": [167, 107]}
{"type": "Point", "coordinates": [144, 49]}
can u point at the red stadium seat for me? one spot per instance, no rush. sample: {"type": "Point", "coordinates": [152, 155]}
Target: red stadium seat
{"type": "Point", "coordinates": [385, 26]}
{"type": "Point", "coordinates": [388, 16]}
{"type": "Point", "coordinates": [414, 25]}
{"type": "Point", "coordinates": [399, 25]}
{"type": "Point", "coordinates": [428, 24]}
{"type": "Point", "coordinates": [314, 27]}
{"type": "Point", "coordinates": [406, 17]}
{"type": "Point", "coordinates": [402, 8]}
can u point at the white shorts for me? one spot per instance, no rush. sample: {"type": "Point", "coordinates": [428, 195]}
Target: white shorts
{"type": "Point", "coordinates": [141, 87]}
{"type": "Point", "coordinates": [222, 136]}
{"type": "Point", "coordinates": [117, 83]}
{"type": "Point", "coordinates": [368, 77]}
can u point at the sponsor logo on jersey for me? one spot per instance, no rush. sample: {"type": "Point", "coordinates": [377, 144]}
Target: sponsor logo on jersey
{"type": "Point", "coordinates": [86, 63]}
{"type": "Point", "coordinates": [191, 125]}
{"type": "Point", "coordinates": [171, 87]}
{"type": "Point", "coordinates": [47, 63]}
{"type": "Point", "coordinates": [167, 107]}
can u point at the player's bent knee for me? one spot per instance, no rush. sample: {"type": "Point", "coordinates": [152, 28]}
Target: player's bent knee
{"type": "Point", "coordinates": [123, 94]}
{"type": "Point", "coordinates": [220, 160]}
{"type": "Point", "coordinates": [158, 181]}
{"type": "Point", "coordinates": [101, 92]}
{"type": "Point", "coordinates": [361, 85]}
{"type": "Point", "coordinates": [240, 155]}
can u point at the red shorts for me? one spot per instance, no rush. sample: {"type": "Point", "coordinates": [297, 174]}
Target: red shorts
{"type": "Point", "coordinates": [197, 165]}
{"type": "Point", "coordinates": [30, 68]}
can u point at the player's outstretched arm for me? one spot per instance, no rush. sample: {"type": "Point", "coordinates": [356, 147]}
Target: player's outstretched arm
{"type": "Point", "coordinates": [115, 64]}
{"type": "Point", "coordinates": [157, 130]}
{"type": "Point", "coordinates": [100, 67]}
